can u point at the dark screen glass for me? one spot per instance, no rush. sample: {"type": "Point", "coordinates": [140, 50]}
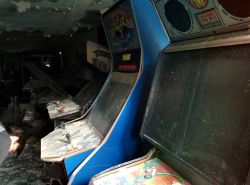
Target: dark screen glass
{"type": "Point", "coordinates": [111, 101]}
{"type": "Point", "coordinates": [239, 8]}
{"type": "Point", "coordinates": [199, 110]}
{"type": "Point", "coordinates": [177, 15]}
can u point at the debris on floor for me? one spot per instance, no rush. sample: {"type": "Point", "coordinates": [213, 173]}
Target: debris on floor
{"type": "Point", "coordinates": [25, 166]}
{"type": "Point", "coordinates": [25, 169]}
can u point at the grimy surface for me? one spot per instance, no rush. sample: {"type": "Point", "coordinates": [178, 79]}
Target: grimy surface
{"type": "Point", "coordinates": [86, 134]}
{"type": "Point", "coordinates": [26, 169]}
{"type": "Point", "coordinates": [62, 108]}
{"type": "Point", "coordinates": [80, 102]}
{"type": "Point", "coordinates": [198, 111]}
{"type": "Point", "coordinates": [75, 137]}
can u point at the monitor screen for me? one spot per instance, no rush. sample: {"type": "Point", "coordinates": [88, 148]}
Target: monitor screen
{"type": "Point", "coordinates": [199, 111]}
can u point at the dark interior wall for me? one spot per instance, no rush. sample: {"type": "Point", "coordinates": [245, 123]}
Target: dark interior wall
{"type": "Point", "coordinates": [74, 49]}
{"type": "Point", "coordinates": [11, 66]}
{"type": "Point", "coordinates": [1, 67]}
{"type": "Point", "coordinates": [10, 77]}
{"type": "Point", "coordinates": [101, 36]}
{"type": "Point", "coordinates": [71, 48]}
{"type": "Point", "coordinates": [12, 58]}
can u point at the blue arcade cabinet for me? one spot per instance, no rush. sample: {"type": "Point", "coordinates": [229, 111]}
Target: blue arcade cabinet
{"type": "Point", "coordinates": [197, 118]}
{"type": "Point", "coordinates": [108, 133]}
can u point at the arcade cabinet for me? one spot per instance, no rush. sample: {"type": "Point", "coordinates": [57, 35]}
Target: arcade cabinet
{"type": "Point", "coordinates": [72, 108]}
{"type": "Point", "coordinates": [198, 114]}
{"type": "Point", "coordinates": [108, 134]}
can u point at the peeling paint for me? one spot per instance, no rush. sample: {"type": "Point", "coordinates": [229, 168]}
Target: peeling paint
{"type": "Point", "coordinates": [51, 16]}
{"type": "Point", "coordinates": [22, 6]}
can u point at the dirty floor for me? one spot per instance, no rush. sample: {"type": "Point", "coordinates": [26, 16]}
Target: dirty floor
{"type": "Point", "coordinates": [25, 167]}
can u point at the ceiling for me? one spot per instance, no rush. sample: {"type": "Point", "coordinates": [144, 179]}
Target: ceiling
{"type": "Point", "coordinates": [42, 19]}
{"type": "Point", "coordinates": [49, 16]}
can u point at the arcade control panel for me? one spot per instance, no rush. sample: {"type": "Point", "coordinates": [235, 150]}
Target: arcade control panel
{"type": "Point", "coordinates": [69, 139]}
{"type": "Point", "coordinates": [149, 172]}
{"type": "Point", "coordinates": [196, 18]}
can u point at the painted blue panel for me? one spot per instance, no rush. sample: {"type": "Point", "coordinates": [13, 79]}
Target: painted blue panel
{"type": "Point", "coordinates": [124, 141]}
{"type": "Point", "coordinates": [74, 161]}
